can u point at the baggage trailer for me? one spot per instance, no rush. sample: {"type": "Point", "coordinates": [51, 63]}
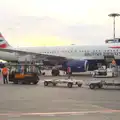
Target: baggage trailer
{"type": "Point", "coordinates": [101, 83]}
{"type": "Point", "coordinates": [69, 82]}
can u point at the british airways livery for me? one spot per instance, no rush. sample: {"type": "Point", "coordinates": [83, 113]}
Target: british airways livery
{"type": "Point", "coordinates": [84, 57]}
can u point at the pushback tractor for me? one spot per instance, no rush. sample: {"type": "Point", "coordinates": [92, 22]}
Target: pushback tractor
{"type": "Point", "coordinates": [23, 74]}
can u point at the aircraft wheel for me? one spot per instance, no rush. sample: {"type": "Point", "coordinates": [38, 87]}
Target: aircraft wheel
{"type": "Point", "coordinates": [55, 72]}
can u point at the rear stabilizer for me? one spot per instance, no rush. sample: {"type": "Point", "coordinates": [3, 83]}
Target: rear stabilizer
{"type": "Point", "coordinates": [3, 42]}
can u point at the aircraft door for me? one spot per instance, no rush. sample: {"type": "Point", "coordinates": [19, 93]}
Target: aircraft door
{"type": "Point", "coordinates": [108, 59]}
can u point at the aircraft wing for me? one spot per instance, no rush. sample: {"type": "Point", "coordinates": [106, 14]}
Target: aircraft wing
{"type": "Point", "coordinates": [16, 50]}
{"type": "Point", "coordinates": [22, 52]}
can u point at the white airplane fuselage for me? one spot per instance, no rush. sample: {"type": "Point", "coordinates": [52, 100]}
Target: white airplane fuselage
{"type": "Point", "coordinates": [73, 52]}
{"type": "Point", "coordinates": [77, 52]}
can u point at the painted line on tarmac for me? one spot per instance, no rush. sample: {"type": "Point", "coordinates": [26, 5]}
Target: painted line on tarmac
{"type": "Point", "coordinates": [59, 113]}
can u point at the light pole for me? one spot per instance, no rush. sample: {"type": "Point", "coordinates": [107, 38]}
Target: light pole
{"type": "Point", "coordinates": [114, 15]}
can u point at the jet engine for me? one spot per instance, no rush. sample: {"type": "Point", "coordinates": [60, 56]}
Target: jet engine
{"type": "Point", "coordinates": [76, 65]}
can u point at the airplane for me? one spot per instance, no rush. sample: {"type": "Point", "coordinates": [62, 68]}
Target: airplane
{"type": "Point", "coordinates": [80, 57]}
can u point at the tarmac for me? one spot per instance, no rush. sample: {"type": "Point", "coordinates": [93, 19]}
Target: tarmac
{"type": "Point", "coordinates": [36, 102]}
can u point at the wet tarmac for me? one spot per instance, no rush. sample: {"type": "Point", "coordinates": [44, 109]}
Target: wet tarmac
{"type": "Point", "coordinates": [36, 102]}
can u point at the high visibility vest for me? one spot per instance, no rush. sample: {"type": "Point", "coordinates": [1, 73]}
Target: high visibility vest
{"type": "Point", "coordinates": [4, 71]}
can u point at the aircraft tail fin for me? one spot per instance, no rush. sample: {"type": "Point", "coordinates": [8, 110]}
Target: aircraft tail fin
{"type": "Point", "coordinates": [3, 42]}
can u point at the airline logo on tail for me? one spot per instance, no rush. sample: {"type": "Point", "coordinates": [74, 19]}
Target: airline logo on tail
{"type": "Point", "coordinates": [3, 42]}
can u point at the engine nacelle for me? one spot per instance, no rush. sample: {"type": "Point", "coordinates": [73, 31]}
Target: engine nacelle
{"type": "Point", "coordinates": [76, 65]}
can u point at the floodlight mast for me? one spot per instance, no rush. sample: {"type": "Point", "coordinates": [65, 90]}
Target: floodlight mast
{"type": "Point", "coordinates": [114, 15]}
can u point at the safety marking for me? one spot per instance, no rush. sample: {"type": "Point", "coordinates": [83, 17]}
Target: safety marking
{"type": "Point", "coordinates": [59, 113]}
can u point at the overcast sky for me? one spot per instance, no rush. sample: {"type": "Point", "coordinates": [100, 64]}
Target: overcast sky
{"type": "Point", "coordinates": [57, 22]}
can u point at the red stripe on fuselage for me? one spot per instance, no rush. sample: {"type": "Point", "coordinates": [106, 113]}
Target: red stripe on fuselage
{"type": "Point", "coordinates": [3, 46]}
{"type": "Point", "coordinates": [115, 47]}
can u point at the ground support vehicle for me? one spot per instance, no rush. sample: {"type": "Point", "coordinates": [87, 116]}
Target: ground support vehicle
{"type": "Point", "coordinates": [55, 71]}
{"type": "Point", "coordinates": [27, 75]}
{"type": "Point", "coordinates": [69, 82]}
{"type": "Point", "coordinates": [102, 83]}
{"type": "Point", "coordinates": [102, 73]}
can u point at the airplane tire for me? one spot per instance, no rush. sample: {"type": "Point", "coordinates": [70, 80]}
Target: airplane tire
{"type": "Point", "coordinates": [15, 82]}
{"type": "Point", "coordinates": [55, 72]}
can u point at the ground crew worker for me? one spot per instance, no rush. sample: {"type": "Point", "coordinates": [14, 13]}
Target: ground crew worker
{"type": "Point", "coordinates": [113, 62]}
{"type": "Point", "coordinates": [5, 75]}
{"type": "Point", "coordinates": [69, 72]}
{"type": "Point", "coordinates": [114, 67]}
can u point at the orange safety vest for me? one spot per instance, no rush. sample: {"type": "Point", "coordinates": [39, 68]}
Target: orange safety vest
{"type": "Point", "coordinates": [4, 71]}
